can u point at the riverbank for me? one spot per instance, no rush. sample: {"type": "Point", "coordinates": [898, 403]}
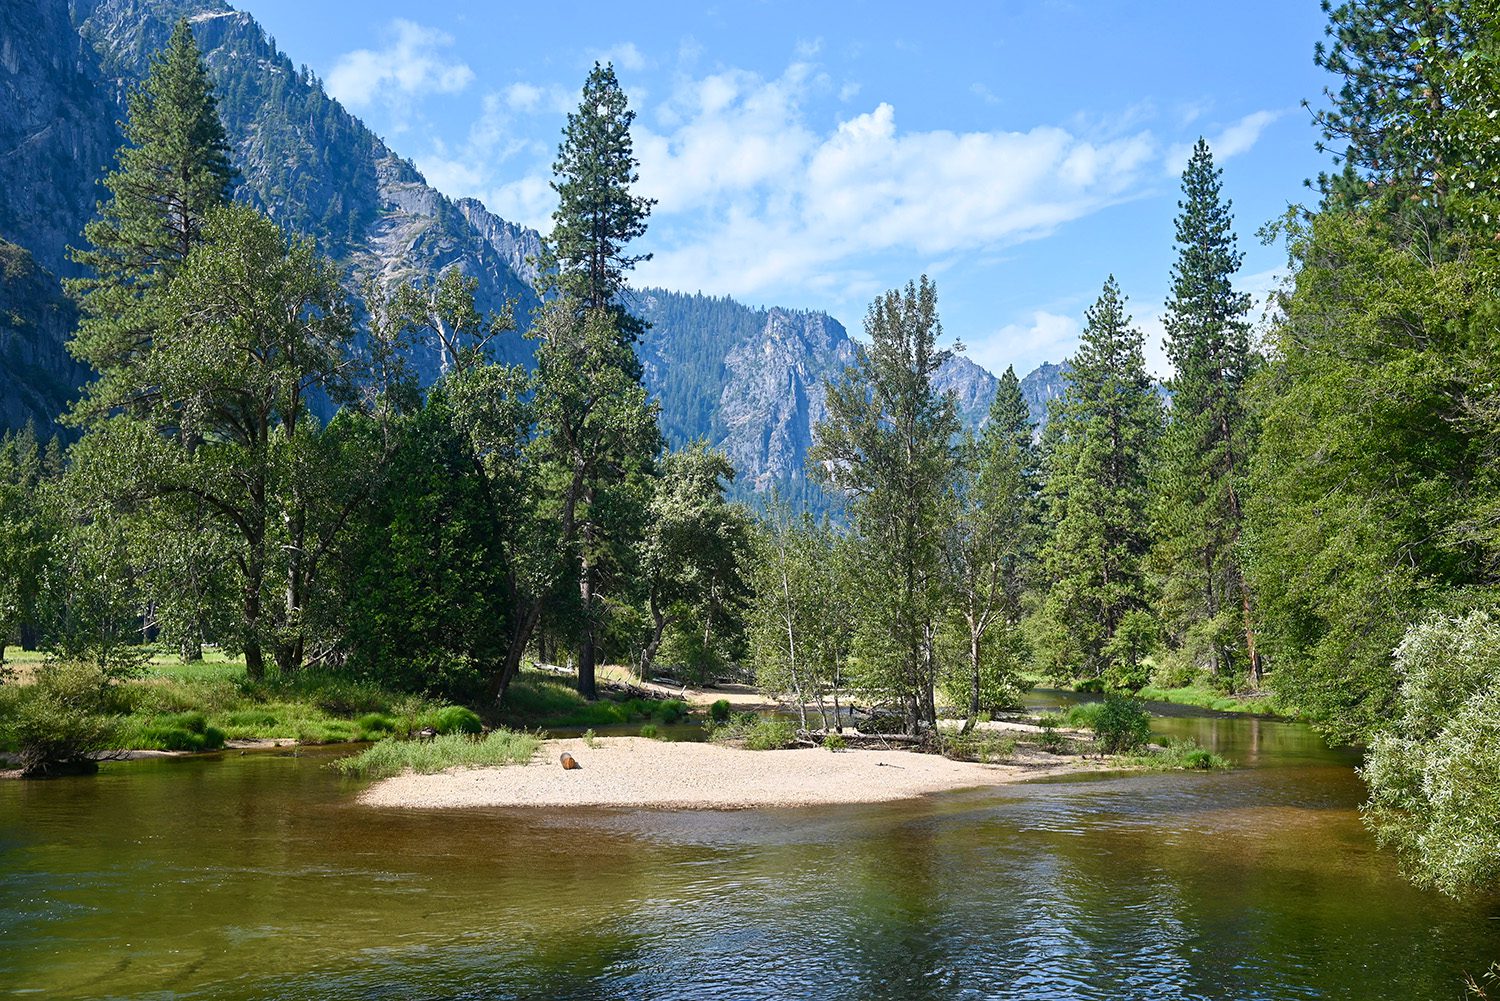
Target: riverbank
{"type": "Point", "coordinates": [637, 772]}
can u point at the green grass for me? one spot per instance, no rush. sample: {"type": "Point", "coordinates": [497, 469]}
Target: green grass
{"type": "Point", "coordinates": [1180, 755]}
{"type": "Point", "coordinates": [189, 731]}
{"type": "Point", "coordinates": [539, 699]}
{"type": "Point", "coordinates": [1207, 698]}
{"type": "Point", "coordinates": [979, 745]}
{"type": "Point", "coordinates": [392, 756]}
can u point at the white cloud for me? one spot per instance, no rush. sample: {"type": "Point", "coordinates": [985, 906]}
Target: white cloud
{"type": "Point", "coordinates": [625, 55]}
{"type": "Point", "coordinates": [759, 200]}
{"type": "Point", "coordinates": [1045, 336]}
{"type": "Point", "coordinates": [1234, 139]}
{"type": "Point", "coordinates": [414, 63]}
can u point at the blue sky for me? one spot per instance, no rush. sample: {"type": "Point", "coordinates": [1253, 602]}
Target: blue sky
{"type": "Point", "coordinates": [814, 154]}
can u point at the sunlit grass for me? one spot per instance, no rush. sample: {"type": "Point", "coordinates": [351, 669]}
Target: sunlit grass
{"type": "Point", "coordinates": [393, 756]}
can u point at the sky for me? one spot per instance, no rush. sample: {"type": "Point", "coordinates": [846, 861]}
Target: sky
{"type": "Point", "coordinates": [812, 155]}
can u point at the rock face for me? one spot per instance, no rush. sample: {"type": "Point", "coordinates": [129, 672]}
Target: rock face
{"type": "Point", "coordinates": [773, 396]}
{"type": "Point", "coordinates": [1045, 384]}
{"type": "Point", "coordinates": [37, 376]}
{"type": "Point", "coordinates": [57, 130]}
{"type": "Point", "coordinates": [973, 389]}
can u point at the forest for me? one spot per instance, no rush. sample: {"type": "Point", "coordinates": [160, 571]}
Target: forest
{"type": "Point", "coordinates": [1310, 513]}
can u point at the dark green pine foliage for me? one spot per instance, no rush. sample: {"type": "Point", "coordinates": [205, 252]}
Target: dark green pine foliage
{"type": "Point", "coordinates": [1407, 78]}
{"type": "Point", "coordinates": [1199, 479]}
{"type": "Point", "coordinates": [1099, 443]}
{"type": "Point", "coordinates": [171, 172]}
{"type": "Point", "coordinates": [596, 214]}
{"type": "Point", "coordinates": [597, 430]}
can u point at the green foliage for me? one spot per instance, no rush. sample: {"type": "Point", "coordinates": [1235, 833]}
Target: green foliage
{"type": "Point", "coordinates": [719, 711]}
{"type": "Point", "coordinates": [1434, 769]}
{"type": "Point", "coordinates": [650, 731]}
{"type": "Point", "coordinates": [1098, 445]}
{"type": "Point", "coordinates": [172, 173]}
{"type": "Point", "coordinates": [189, 731]}
{"type": "Point", "coordinates": [979, 745]}
{"type": "Point", "coordinates": [887, 445]}
{"type": "Point", "coordinates": [754, 732]}
{"type": "Point", "coordinates": [835, 742]}
{"type": "Point", "coordinates": [990, 547]}
{"type": "Point", "coordinates": [27, 531]}
{"type": "Point", "coordinates": [1374, 485]}
{"type": "Point", "coordinates": [596, 215]}
{"type": "Point", "coordinates": [62, 720]}
{"type": "Point", "coordinates": [1121, 724]}
{"type": "Point", "coordinates": [692, 560]}
{"type": "Point", "coordinates": [804, 612]}
{"type": "Point", "coordinates": [1181, 755]}
{"type": "Point", "coordinates": [393, 756]}
{"type": "Point", "coordinates": [457, 719]}
{"type": "Point", "coordinates": [590, 738]}
{"type": "Point", "coordinates": [1200, 479]}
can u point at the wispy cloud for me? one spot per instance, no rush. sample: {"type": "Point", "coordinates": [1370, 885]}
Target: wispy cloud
{"type": "Point", "coordinates": [1232, 140]}
{"type": "Point", "coordinates": [413, 64]}
{"type": "Point", "coordinates": [625, 55]}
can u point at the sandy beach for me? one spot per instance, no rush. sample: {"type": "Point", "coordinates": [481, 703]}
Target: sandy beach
{"type": "Point", "coordinates": [639, 772]}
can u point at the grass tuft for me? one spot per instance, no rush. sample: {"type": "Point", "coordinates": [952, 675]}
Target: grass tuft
{"type": "Point", "coordinates": [392, 757]}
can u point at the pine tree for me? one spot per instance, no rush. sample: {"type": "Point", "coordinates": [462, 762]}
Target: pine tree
{"type": "Point", "coordinates": [171, 173]}
{"type": "Point", "coordinates": [596, 214]}
{"type": "Point", "coordinates": [598, 426]}
{"type": "Point", "coordinates": [1099, 442]}
{"type": "Point", "coordinates": [1199, 480]}
{"type": "Point", "coordinates": [887, 444]}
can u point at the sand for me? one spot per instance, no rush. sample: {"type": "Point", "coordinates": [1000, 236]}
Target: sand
{"type": "Point", "coordinates": [639, 772]}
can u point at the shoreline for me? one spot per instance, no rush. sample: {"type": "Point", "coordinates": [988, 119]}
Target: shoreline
{"type": "Point", "coordinates": [637, 772]}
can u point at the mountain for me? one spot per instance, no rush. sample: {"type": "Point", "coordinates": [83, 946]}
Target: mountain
{"type": "Point", "coordinates": [1040, 387]}
{"type": "Point", "coordinates": [748, 379]}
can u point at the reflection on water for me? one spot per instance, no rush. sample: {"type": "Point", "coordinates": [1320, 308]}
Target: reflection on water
{"type": "Point", "coordinates": [256, 876]}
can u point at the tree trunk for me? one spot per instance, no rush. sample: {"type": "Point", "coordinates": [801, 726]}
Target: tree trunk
{"type": "Point", "coordinates": [525, 619]}
{"type": "Point", "coordinates": [659, 623]}
{"type": "Point", "coordinates": [586, 684]}
{"type": "Point", "coordinates": [973, 679]}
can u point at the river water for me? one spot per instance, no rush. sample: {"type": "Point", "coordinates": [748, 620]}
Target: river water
{"type": "Point", "coordinates": [257, 876]}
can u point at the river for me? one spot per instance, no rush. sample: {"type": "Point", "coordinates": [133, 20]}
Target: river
{"type": "Point", "coordinates": [257, 876]}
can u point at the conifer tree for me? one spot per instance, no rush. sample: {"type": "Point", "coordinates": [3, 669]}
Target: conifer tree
{"type": "Point", "coordinates": [1101, 435]}
{"type": "Point", "coordinates": [171, 173]}
{"type": "Point", "coordinates": [1199, 479]}
{"type": "Point", "coordinates": [596, 214]}
{"type": "Point", "coordinates": [598, 428]}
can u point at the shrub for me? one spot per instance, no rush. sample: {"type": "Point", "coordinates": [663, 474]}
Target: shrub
{"type": "Point", "coordinates": [770, 735]}
{"type": "Point", "coordinates": [669, 711]}
{"type": "Point", "coordinates": [456, 719]}
{"type": "Point", "coordinates": [590, 738]}
{"type": "Point", "coordinates": [649, 730]}
{"type": "Point", "coordinates": [835, 742]}
{"type": "Point", "coordinates": [1430, 771]}
{"type": "Point", "coordinates": [60, 722]}
{"type": "Point", "coordinates": [1121, 724]}
{"type": "Point", "coordinates": [719, 711]}
{"type": "Point", "coordinates": [1187, 754]}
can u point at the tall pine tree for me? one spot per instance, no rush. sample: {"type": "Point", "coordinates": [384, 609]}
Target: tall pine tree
{"type": "Point", "coordinates": [1100, 439]}
{"type": "Point", "coordinates": [598, 429]}
{"type": "Point", "coordinates": [1199, 480]}
{"type": "Point", "coordinates": [171, 173]}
